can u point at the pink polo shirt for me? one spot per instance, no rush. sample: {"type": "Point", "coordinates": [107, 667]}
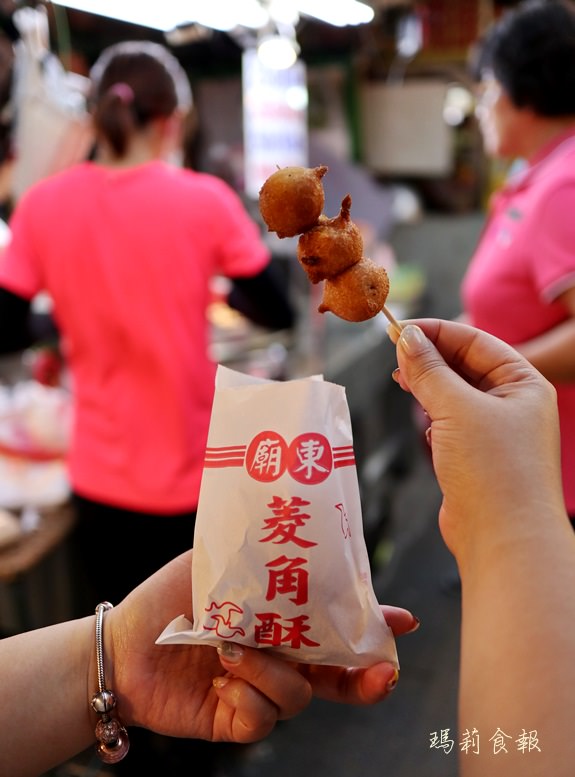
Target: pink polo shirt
{"type": "Point", "coordinates": [127, 256]}
{"type": "Point", "coordinates": [524, 260]}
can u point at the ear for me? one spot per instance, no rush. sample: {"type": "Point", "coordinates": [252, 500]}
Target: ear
{"type": "Point", "coordinates": [172, 130]}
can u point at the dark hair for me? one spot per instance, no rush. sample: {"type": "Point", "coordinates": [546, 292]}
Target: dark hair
{"type": "Point", "coordinates": [134, 83]}
{"type": "Point", "coordinates": [531, 52]}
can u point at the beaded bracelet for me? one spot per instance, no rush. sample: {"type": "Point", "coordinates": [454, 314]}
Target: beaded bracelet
{"type": "Point", "coordinates": [113, 742]}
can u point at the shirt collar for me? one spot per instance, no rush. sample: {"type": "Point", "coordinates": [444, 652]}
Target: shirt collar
{"type": "Point", "coordinates": [531, 168]}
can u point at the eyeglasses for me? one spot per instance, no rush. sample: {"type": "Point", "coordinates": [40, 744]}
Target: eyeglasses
{"type": "Point", "coordinates": [487, 94]}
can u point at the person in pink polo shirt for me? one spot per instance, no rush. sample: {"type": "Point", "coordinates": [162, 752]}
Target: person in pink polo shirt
{"type": "Point", "coordinates": [126, 246]}
{"type": "Point", "coordinates": [520, 284]}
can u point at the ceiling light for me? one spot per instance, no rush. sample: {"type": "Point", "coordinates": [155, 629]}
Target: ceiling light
{"type": "Point", "coordinates": [167, 14]}
{"type": "Point", "coordinates": [337, 12]}
{"type": "Point", "coordinates": [223, 15]}
{"type": "Point", "coordinates": [283, 12]}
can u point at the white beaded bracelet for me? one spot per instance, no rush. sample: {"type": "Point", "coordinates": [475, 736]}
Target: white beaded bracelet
{"type": "Point", "coordinates": [113, 742]}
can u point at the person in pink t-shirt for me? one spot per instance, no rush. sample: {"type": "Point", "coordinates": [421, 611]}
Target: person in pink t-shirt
{"type": "Point", "coordinates": [520, 284]}
{"type": "Point", "coordinates": [126, 246]}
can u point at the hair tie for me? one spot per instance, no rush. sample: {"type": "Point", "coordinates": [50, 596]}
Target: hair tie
{"type": "Point", "coordinates": [123, 91]}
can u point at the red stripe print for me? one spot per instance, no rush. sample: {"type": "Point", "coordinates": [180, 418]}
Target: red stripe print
{"type": "Point", "coordinates": [232, 456]}
{"type": "Point", "coordinates": [343, 457]}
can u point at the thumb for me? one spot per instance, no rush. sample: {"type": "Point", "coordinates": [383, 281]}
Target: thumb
{"type": "Point", "coordinates": [425, 373]}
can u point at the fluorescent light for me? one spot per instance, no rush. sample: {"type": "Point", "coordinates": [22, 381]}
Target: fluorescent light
{"type": "Point", "coordinates": [167, 14]}
{"type": "Point", "coordinates": [337, 12]}
{"type": "Point", "coordinates": [223, 14]}
{"type": "Point", "coordinates": [284, 12]}
{"type": "Point", "coordinates": [158, 16]}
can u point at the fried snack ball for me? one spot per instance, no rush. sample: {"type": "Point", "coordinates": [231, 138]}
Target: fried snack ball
{"type": "Point", "coordinates": [291, 200]}
{"type": "Point", "coordinates": [331, 246]}
{"type": "Point", "coordinates": [358, 293]}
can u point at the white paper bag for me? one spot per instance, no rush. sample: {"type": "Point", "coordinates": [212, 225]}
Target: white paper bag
{"type": "Point", "coordinates": [279, 554]}
{"type": "Point", "coordinates": [52, 129]}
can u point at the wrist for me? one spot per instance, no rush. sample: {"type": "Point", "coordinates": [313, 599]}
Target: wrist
{"type": "Point", "coordinates": [112, 737]}
{"type": "Point", "coordinates": [477, 541]}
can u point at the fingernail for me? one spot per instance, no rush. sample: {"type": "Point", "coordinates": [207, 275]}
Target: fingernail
{"type": "Point", "coordinates": [413, 340]}
{"type": "Point", "coordinates": [220, 681]}
{"type": "Point", "coordinates": [393, 681]}
{"type": "Point", "coordinates": [231, 651]}
{"type": "Point", "coordinates": [395, 375]}
{"type": "Point", "coordinates": [416, 625]}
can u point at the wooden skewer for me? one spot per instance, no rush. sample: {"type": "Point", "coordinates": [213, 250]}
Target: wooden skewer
{"type": "Point", "coordinates": [392, 320]}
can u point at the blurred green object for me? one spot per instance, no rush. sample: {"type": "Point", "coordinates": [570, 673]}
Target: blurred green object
{"type": "Point", "coordinates": [406, 284]}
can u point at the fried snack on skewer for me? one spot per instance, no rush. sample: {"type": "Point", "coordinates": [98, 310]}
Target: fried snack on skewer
{"type": "Point", "coordinates": [291, 202]}
{"type": "Point", "coordinates": [358, 293]}
{"type": "Point", "coordinates": [333, 245]}
{"type": "Point", "coordinates": [291, 199]}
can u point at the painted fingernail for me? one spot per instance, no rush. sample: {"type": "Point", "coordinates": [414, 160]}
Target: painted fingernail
{"type": "Point", "coordinates": [413, 340]}
{"type": "Point", "coordinates": [231, 651]}
{"type": "Point", "coordinates": [393, 681]}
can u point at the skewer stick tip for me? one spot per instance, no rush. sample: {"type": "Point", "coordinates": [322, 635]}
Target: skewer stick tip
{"type": "Point", "coordinates": [392, 320]}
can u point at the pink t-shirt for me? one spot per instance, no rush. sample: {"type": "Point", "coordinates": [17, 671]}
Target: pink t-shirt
{"type": "Point", "coordinates": [127, 256]}
{"type": "Point", "coordinates": [524, 261]}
